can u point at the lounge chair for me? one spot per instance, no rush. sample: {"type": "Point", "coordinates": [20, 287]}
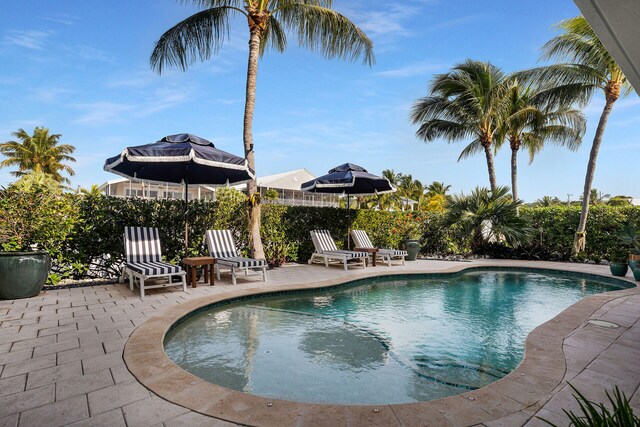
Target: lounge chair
{"type": "Point", "coordinates": [223, 249]}
{"type": "Point", "coordinates": [144, 260]}
{"type": "Point", "coordinates": [327, 251]}
{"type": "Point", "coordinates": [361, 240]}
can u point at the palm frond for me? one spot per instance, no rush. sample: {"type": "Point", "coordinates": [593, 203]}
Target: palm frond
{"type": "Point", "coordinates": [196, 37]}
{"type": "Point", "coordinates": [324, 30]}
{"type": "Point", "coordinates": [471, 149]}
{"type": "Point", "coordinates": [274, 37]}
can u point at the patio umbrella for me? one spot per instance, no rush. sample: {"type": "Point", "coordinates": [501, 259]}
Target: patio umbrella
{"type": "Point", "coordinates": [350, 180]}
{"type": "Point", "coordinates": [181, 158]}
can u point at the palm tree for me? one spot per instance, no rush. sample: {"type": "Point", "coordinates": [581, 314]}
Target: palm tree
{"type": "Point", "coordinates": [409, 189]}
{"type": "Point", "coordinates": [315, 24]}
{"type": "Point", "coordinates": [435, 198]}
{"type": "Point", "coordinates": [589, 68]}
{"type": "Point", "coordinates": [532, 121]}
{"type": "Point", "coordinates": [547, 201]}
{"type": "Point", "coordinates": [439, 188]}
{"type": "Point", "coordinates": [39, 152]}
{"type": "Point", "coordinates": [469, 102]}
{"type": "Point", "coordinates": [487, 216]}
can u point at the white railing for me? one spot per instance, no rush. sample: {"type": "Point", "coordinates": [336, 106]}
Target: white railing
{"type": "Point", "coordinates": [301, 202]}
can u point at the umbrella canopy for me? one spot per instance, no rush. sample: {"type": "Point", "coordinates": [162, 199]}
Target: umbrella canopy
{"type": "Point", "coordinates": [349, 179]}
{"type": "Point", "coordinates": [181, 158]}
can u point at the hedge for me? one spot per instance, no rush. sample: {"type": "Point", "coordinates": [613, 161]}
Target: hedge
{"type": "Point", "coordinates": [92, 245]}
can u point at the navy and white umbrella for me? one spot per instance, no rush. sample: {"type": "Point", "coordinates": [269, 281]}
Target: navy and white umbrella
{"type": "Point", "coordinates": [181, 158]}
{"type": "Point", "coordinates": [350, 180]}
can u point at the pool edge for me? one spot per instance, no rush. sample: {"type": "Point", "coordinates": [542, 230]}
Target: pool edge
{"type": "Point", "coordinates": [522, 391]}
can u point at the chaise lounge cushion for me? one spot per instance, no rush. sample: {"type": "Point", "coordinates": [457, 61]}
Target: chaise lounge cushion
{"type": "Point", "coordinates": [240, 262]}
{"type": "Point", "coordinates": [154, 268]}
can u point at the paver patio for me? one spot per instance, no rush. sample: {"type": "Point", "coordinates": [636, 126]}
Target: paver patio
{"type": "Point", "coordinates": [61, 354]}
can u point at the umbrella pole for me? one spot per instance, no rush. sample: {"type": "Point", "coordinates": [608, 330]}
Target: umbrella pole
{"type": "Point", "coordinates": [186, 218]}
{"type": "Point", "coordinates": [348, 222]}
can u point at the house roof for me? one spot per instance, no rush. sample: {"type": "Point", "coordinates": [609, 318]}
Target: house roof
{"type": "Point", "coordinates": [617, 24]}
{"type": "Point", "coordinates": [290, 180]}
{"type": "Point", "coordinates": [286, 180]}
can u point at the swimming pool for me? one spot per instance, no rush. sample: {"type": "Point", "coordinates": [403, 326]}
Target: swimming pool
{"type": "Point", "coordinates": [382, 340]}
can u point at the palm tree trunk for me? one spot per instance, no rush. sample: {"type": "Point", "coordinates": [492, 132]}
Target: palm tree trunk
{"type": "Point", "coordinates": [580, 239]}
{"type": "Point", "coordinates": [514, 176]}
{"type": "Point", "coordinates": [490, 166]}
{"type": "Point", "coordinates": [255, 242]}
{"type": "Point", "coordinates": [514, 173]}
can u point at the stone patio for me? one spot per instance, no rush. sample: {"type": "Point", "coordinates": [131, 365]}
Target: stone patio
{"type": "Point", "coordinates": [61, 355]}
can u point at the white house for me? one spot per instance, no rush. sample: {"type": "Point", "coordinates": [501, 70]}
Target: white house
{"type": "Point", "coordinates": [285, 184]}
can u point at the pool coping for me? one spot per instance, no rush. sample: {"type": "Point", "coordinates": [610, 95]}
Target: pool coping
{"type": "Point", "coordinates": [521, 393]}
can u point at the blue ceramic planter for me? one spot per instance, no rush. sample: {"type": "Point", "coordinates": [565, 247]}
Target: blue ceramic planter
{"type": "Point", "coordinates": [23, 274]}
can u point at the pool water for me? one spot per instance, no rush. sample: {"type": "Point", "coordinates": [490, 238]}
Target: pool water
{"type": "Point", "coordinates": [379, 342]}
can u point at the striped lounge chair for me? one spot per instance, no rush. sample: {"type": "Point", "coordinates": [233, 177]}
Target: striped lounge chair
{"type": "Point", "coordinates": [223, 249]}
{"type": "Point", "coordinates": [361, 240]}
{"type": "Point", "coordinates": [144, 260]}
{"type": "Point", "coordinates": [326, 251]}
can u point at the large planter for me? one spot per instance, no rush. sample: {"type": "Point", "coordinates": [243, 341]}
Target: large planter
{"type": "Point", "coordinates": [23, 274]}
{"type": "Point", "coordinates": [412, 246]}
{"type": "Point", "coordinates": [636, 273]}
{"type": "Point", "coordinates": [618, 268]}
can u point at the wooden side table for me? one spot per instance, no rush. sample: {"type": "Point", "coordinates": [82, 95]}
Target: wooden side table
{"type": "Point", "coordinates": [207, 264]}
{"type": "Point", "coordinates": [371, 251]}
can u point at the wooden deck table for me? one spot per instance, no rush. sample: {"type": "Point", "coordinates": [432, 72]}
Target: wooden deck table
{"type": "Point", "coordinates": [207, 263]}
{"type": "Point", "coordinates": [371, 251]}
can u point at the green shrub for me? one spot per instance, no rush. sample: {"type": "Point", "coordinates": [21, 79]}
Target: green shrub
{"type": "Point", "coordinates": [83, 232]}
{"type": "Point", "coordinates": [597, 415]}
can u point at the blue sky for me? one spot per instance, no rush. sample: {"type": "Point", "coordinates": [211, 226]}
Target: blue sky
{"type": "Point", "coordinates": [82, 69]}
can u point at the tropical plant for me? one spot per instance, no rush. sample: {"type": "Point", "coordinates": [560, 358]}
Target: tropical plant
{"type": "Point", "coordinates": [39, 152]}
{"type": "Point", "coordinates": [589, 68]}
{"type": "Point", "coordinates": [270, 194]}
{"type": "Point", "coordinates": [629, 236]}
{"type": "Point", "coordinates": [531, 121]}
{"type": "Point", "coordinates": [619, 200]}
{"type": "Point", "coordinates": [317, 26]}
{"type": "Point", "coordinates": [35, 214]}
{"type": "Point", "coordinates": [467, 103]}
{"type": "Point", "coordinates": [597, 197]}
{"type": "Point", "coordinates": [93, 191]}
{"type": "Point", "coordinates": [437, 187]}
{"type": "Point", "coordinates": [486, 216]}
{"type": "Point", "coordinates": [546, 201]}
{"type": "Point", "coordinates": [597, 415]}
{"type": "Point", "coordinates": [409, 189]}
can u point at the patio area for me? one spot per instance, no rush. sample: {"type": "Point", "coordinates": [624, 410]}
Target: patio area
{"type": "Point", "coordinates": [61, 357]}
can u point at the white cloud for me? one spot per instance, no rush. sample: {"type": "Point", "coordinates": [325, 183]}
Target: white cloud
{"type": "Point", "coordinates": [101, 113]}
{"type": "Point", "coordinates": [32, 39]}
{"type": "Point", "coordinates": [410, 70]}
{"type": "Point", "coordinates": [48, 94]}
{"type": "Point", "coordinates": [61, 18]}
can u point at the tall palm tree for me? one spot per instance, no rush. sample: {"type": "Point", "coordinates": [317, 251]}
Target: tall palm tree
{"type": "Point", "coordinates": [437, 187]}
{"type": "Point", "coordinates": [314, 22]}
{"type": "Point", "coordinates": [409, 189]}
{"type": "Point", "coordinates": [39, 152]}
{"type": "Point", "coordinates": [468, 102]}
{"type": "Point", "coordinates": [589, 68]}
{"type": "Point", "coordinates": [531, 121]}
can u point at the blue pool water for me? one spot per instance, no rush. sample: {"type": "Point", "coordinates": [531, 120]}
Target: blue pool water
{"type": "Point", "coordinates": [380, 341]}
